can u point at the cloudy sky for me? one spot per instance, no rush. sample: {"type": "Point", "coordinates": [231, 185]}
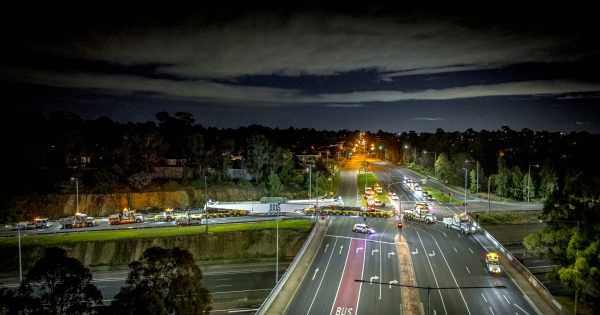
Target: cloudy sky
{"type": "Point", "coordinates": [370, 68]}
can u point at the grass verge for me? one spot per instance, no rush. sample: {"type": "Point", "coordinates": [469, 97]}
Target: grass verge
{"type": "Point", "coordinates": [508, 217]}
{"type": "Point", "coordinates": [112, 235]}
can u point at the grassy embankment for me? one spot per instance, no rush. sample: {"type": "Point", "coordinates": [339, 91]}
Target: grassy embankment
{"type": "Point", "coordinates": [113, 235]}
{"type": "Point", "coordinates": [370, 181]}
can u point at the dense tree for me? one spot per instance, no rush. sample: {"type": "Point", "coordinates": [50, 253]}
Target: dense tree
{"type": "Point", "coordinates": [163, 281]}
{"type": "Point", "coordinates": [56, 284]}
{"type": "Point", "coordinates": [258, 156]}
{"type": "Point", "coordinates": [274, 185]}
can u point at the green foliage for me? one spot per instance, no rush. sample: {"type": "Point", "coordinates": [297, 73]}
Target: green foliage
{"type": "Point", "coordinates": [549, 183]}
{"type": "Point", "coordinates": [473, 181]}
{"type": "Point", "coordinates": [258, 156]}
{"type": "Point", "coordinates": [509, 217]}
{"type": "Point", "coordinates": [163, 281]}
{"type": "Point", "coordinates": [108, 235]}
{"type": "Point", "coordinates": [570, 239]}
{"type": "Point", "coordinates": [275, 186]}
{"type": "Point", "coordinates": [56, 284]}
{"type": "Point", "coordinates": [443, 167]}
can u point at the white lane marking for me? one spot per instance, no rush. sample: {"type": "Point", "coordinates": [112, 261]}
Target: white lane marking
{"type": "Point", "coordinates": [455, 250]}
{"type": "Point", "coordinates": [471, 250]}
{"type": "Point", "coordinates": [458, 235]}
{"type": "Point", "coordinates": [223, 279]}
{"type": "Point", "coordinates": [453, 277]}
{"type": "Point", "coordinates": [432, 253]}
{"type": "Point", "coordinates": [320, 282]}
{"type": "Point", "coordinates": [444, 234]}
{"type": "Point", "coordinates": [393, 282]}
{"type": "Point", "coordinates": [362, 239]}
{"type": "Point", "coordinates": [374, 251]}
{"type": "Point", "coordinates": [341, 247]}
{"type": "Point", "coordinates": [358, 249]}
{"type": "Point", "coordinates": [415, 252]}
{"type": "Point", "coordinates": [373, 278]}
{"type": "Point", "coordinates": [469, 271]}
{"type": "Point", "coordinates": [433, 273]}
{"type": "Point", "coordinates": [515, 304]}
{"type": "Point", "coordinates": [326, 246]}
{"type": "Point", "coordinates": [315, 274]}
{"type": "Point", "coordinates": [239, 291]}
{"type": "Point", "coordinates": [483, 296]}
{"type": "Point", "coordinates": [491, 310]}
{"type": "Point", "coordinates": [391, 254]}
{"type": "Point", "coordinates": [223, 285]}
{"type": "Point", "coordinates": [507, 301]}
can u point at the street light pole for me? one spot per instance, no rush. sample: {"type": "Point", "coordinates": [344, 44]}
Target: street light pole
{"type": "Point", "coordinates": [489, 181]}
{"type": "Point", "coordinates": [20, 265]}
{"type": "Point", "coordinates": [529, 178]}
{"type": "Point", "coordinates": [465, 189]}
{"type": "Point", "coordinates": [277, 250]}
{"type": "Point", "coordinates": [309, 182]}
{"type": "Point", "coordinates": [434, 159]}
{"type": "Point", "coordinates": [76, 190]}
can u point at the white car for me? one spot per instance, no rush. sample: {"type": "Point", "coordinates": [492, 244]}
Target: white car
{"type": "Point", "coordinates": [362, 228]}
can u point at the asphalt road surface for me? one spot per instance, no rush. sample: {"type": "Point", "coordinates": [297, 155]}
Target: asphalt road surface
{"type": "Point", "coordinates": [442, 258]}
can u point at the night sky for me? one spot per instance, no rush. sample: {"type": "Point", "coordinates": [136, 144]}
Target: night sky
{"type": "Point", "coordinates": [375, 67]}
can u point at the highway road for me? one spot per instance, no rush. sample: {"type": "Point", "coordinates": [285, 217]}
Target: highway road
{"type": "Point", "coordinates": [235, 288]}
{"type": "Point", "coordinates": [441, 257]}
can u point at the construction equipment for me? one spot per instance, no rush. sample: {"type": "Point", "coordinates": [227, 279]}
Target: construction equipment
{"type": "Point", "coordinates": [124, 217]}
{"type": "Point", "coordinates": [79, 220]}
{"type": "Point", "coordinates": [459, 222]}
{"type": "Point", "coordinates": [492, 260]}
{"type": "Point", "coordinates": [419, 213]}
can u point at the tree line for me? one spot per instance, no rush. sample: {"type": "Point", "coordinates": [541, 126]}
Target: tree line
{"type": "Point", "coordinates": [162, 281]}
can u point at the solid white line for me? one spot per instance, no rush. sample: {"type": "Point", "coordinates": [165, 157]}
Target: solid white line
{"type": "Point", "coordinates": [483, 296]}
{"type": "Point", "coordinates": [240, 291]}
{"type": "Point", "coordinates": [320, 282]}
{"type": "Point", "coordinates": [453, 277]}
{"type": "Point", "coordinates": [507, 301]}
{"type": "Point", "coordinates": [224, 279]}
{"type": "Point", "coordinates": [521, 308]}
{"type": "Point", "coordinates": [471, 250]}
{"type": "Point", "coordinates": [223, 285]}
{"type": "Point", "coordinates": [243, 310]}
{"type": "Point", "coordinates": [455, 250]}
{"type": "Point", "coordinates": [362, 277]}
{"type": "Point", "coordinates": [468, 270]}
{"type": "Point", "coordinates": [433, 273]}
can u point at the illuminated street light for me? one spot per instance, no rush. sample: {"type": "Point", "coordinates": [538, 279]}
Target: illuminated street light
{"type": "Point", "coordinates": [465, 188]}
{"type": "Point", "coordinates": [529, 178]}
{"type": "Point", "coordinates": [76, 190]}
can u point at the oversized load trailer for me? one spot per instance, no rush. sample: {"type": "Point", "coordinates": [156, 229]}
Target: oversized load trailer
{"type": "Point", "coordinates": [79, 220]}
{"type": "Point", "coordinates": [459, 222]}
{"type": "Point", "coordinates": [125, 217]}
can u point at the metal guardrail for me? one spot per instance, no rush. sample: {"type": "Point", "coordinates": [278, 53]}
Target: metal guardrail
{"type": "Point", "coordinates": [269, 300]}
{"type": "Point", "coordinates": [537, 285]}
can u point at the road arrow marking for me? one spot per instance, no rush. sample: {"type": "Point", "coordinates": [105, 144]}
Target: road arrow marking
{"type": "Point", "coordinates": [316, 270]}
{"type": "Point", "coordinates": [374, 251]}
{"type": "Point", "coordinates": [326, 246]}
{"type": "Point", "coordinates": [374, 278]}
{"type": "Point", "coordinates": [415, 252]}
{"type": "Point", "coordinates": [432, 253]}
{"type": "Point", "coordinates": [341, 247]}
{"type": "Point", "coordinates": [393, 282]}
{"type": "Point", "coordinates": [391, 254]}
{"type": "Point", "coordinates": [359, 248]}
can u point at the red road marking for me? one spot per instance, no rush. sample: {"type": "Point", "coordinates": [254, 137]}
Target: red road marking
{"type": "Point", "coordinates": [346, 299]}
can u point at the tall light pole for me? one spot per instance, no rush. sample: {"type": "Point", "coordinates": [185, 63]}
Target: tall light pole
{"type": "Point", "coordinates": [529, 178]}
{"type": "Point", "coordinates": [76, 190]}
{"type": "Point", "coordinates": [465, 188]}
{"type": "Point", "coordinates": [489, 181]}
{"type": "Point", "coordinates": [434, 159]}
{"type": "Point", "coordinates": [414, 153]}
{"type": "Point", "coordinates": [20, 265]}
{"type": "Point", "coordinates": [277, 250]}
{"type": "Point", "coordinates": [309, 182]}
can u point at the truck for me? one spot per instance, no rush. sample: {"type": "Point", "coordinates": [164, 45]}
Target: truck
{"type": "Point", "coordinates": [492, 261]}
{"type": "Point", "coordinates": [124, 217]}
{"type": "Point", "coordinates": [41, 223]}
{"type": "Point", "coordinates": [78, 220]}
{"type": "Point", "coordinates": [419, 213]}
{"type": "Point", "coordinates": [459, 222]}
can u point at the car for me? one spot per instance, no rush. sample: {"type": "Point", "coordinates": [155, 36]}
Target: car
{"type": "Point", "coordinates": [362, 228]}
{"type": "Point", "coordinates": [430, 198]}
{"type": "Point", "coordinates": [379, 203]}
